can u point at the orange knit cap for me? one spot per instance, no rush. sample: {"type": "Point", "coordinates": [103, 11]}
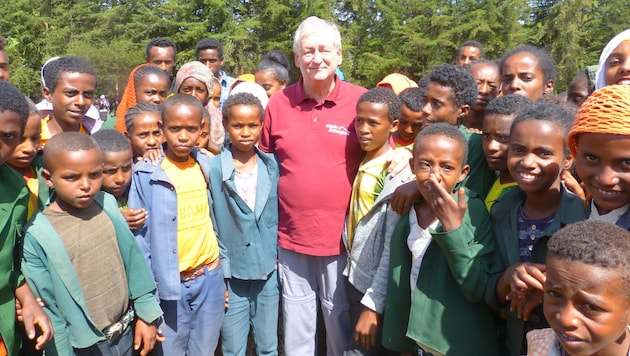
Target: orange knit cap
{"type": "Point", "coordinates": [606, 111]}
{"type": "Point", "coordinates": [128, 100]}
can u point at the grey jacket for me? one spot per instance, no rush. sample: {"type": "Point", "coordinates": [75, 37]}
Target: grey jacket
{"type": "Point", "coordinates": [368, 261]}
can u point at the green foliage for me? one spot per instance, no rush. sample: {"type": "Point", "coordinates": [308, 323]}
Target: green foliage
{"type": "Point", "coordinates": [379, 36]}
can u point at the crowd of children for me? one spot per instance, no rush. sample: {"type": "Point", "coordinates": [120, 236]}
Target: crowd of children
{"type": "Point", "coordinates": [480, 211]}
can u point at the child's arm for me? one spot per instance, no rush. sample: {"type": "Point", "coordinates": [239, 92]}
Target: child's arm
{"type": "Point", "coordinates": [466, 240]}
{"type": "Point", "coordinates": [33, 315]}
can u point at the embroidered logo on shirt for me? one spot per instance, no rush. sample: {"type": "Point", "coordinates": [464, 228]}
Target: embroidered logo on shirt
{"type": "Point", "coordinates": [340, 130]}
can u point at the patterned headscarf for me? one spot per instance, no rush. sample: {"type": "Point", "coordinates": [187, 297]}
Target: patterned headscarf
{"type": "Point", "coordinates": [197, 70]}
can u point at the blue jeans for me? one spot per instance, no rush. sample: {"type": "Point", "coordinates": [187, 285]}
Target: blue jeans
{"type": "Point", "coordinates": [191, 325]}
{"type": "Point", "coordinates": [255, 303]}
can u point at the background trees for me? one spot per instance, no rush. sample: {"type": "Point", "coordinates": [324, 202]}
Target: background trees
{"type": "Point", "coordinates": [379, 36]}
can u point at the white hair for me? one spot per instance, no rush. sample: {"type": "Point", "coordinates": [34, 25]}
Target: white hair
{"type": "Point", "coordinates": [315, 25]}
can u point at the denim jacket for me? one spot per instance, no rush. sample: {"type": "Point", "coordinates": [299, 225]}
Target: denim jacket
{"type": "Point", "coordinates": [248, 239]}
{"type": "Point", "coordinates": [152, 190]}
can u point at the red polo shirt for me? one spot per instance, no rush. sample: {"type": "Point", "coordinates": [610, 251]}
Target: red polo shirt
{"type": "Point", "coordinates": [319, 155]}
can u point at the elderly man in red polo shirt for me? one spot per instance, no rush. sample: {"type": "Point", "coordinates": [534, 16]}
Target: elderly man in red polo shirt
{"type": "Point", "coordinates": [310, 127]}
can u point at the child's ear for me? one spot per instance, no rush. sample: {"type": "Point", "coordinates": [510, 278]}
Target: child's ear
{"type": "Point", "coordinates": [568, 162]}
{"type": "Point", "coordinates": [394, 127]}
{"type": "Point", "coordinates": [463, 111]}
{"type": "Point", "coordinates": [464, 173]}
{"type": "Point", "coordinates": [548, 87]}
{"type": "Point", "coordinates": [411, 164]}
{"type": "Point", "coordinates": [47, 93]}
{"type": "Point", "coordinates": [47, 177]}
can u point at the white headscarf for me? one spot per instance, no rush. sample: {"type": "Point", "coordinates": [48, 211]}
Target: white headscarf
{"type": "Point", "coordinates": [254, 89]}
{"type": "Point", "coordinates": [600, 80]}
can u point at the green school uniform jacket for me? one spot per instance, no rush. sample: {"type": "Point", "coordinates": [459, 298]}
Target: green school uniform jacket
{"type": "Point", "coordinates": [447, 313]}
{"type": "Point", "coordinates": [50, 273]}
{"type": "Point", "coordinates": [481, 177]}
{"type": "Point", "coordinates": [13, 207]}
{"type": "Point", "coordinates": [505, 221]}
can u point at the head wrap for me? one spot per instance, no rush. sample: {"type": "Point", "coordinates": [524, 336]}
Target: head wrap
{"type": "Point", "coordinates": [606, 111]}
{"type": "Point", "coordinates": [128, 100]}
{"type": "Point", "coordinates": [247, 77]}
{"type": "Point", "coordinates": [254, 89]}
{"type": "Point", "coordinates": [197, 70]}
{"type": "Point", "coordinates": [397, 82]}
{"type": "Point", "coordinates": [600, 80]}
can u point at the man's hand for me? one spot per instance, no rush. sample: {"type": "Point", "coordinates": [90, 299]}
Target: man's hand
{"type": "Point", "coordinates": [135, 217]}
{"type": "Point", "coordinates": [365, 330]}
{"type": "Point", "coordinates": [399, 160]}
{"type": "Point", "coordinates": [33, 315]}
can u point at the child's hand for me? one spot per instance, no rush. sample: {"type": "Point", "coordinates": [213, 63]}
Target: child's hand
{"type": "Point", "coordinates": [524, 304]}
{"type": "Point", "coordinates": [18, 309]}
{"type": "Point", "coordinates": [206, 152]}
{"type": "Point", "coordinates": [520, 279]}
{"type": "Point", "coordinates": [135, 217]}
{"type": "Point", "coordinates": [153, 156]}
{"type": "Point", "coordinates": [226, 296]}
{"type": "Point", "coordinates": [572, 184]}
{"type": "Point", "coordinates": [446, 209]}
{"type": "Point", "coordinates": [399, 160]}
{"type": "Point", "coordinates": [404, 197]}
{"type": "Point", "coordinates": [144, 337]}
{"type": "Point", "coordinates": [365, 330]}
{"type": "Point", "coordinates": [33, 315]}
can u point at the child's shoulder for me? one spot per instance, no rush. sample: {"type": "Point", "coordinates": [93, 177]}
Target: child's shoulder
{"type": "Point", "coordinates": [475, 206]}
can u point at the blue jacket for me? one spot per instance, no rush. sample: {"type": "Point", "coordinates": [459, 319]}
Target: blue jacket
{"type": "Point", "coordinates": [152, 190]}
{"type": "Point", "coordinates": [248, 240]}
{"type": "Point", "coordinates": [50, 273]}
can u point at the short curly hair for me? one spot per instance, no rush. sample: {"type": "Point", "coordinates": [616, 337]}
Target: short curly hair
{"type": "Point", "coordinates": [594, 243]}
{"type": "Point", "coordinates": [68, 64]}
{"type": "Point", "coordinates": [13, 100]}
{"type": "Point", "coordinates": [507, 105]}
{"type": "Point", "coordinates": [383, 95]}
{"type": "Point", "coordinates": [111, 141]}
{"type": "Point", "coordinates": [553, 113]}
{"type": "Point", "coordinates": [160, 42]}
{"type": "Point", "coordinates": [242, 98]}
{"type": "Point", "coordinates": [413, 98]}
{"type": "Point", "coordinates": [473, 43]}
{"type": "Point", "coordinates": [209, 43]}
{"type": "Point", "coordinates": [462, 83]}
{"type": "Point", "coordinates": [447, 130]}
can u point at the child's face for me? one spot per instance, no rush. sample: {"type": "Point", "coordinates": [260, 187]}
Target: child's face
{"type": "Point", "coordinates": [243, 126]}
{"type": "Point", "coordinates": [373, 128]}
{"type": "Point", "coordinates": [27, 148]}
{"type": "Point", "coordinates": [267, 80]}
{"type": "Point", "coordinates": [146, 133]}
{"type": "Point", "coordinates": [117, 172]}
{"type": "Point", "coordinates": [10, 133]}
{"type": "Point", "coordinates": [603, 163]}
{"type": "Point", "coordinates": [152, 88]}
{"type": "Point", "coordinates": [410, 123]}
{"type": "Point", "coordinates": [196, 88]}
{"type": "Point", "coordinates": [182, 126]}
{"type": "Point", "coordinates": [438, 157]}
{"type": "Point", "coordinates": [586, 307]}
{"type": "Point", "coordinates": [617, 67]}
{"type": "Point", "coordinates": [76, 176]}
{"type": "Point", "coordinates": [72, 97]}
{"type": "Point", "coordinates": [578, 91]}
{"type": "Point", "coordinates": [522, 75]}
{"type": "Point", "coordinates": [216, 95]}
{"type": "Point", "coordinates": [204, 135]}
{"type": "Point", "coordinates": [487, 77]}
{"type": "Point", "coordinates": [496, 137]}
{"type": "Point", "coordinates": [439, 106]}
{"type": "Point", "coordinates": [536, 155]}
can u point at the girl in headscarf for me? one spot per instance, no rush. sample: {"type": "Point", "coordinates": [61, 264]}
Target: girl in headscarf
{"type": "Point", "coordinates": [147, 84]}
{"type": "Point", "coordinates": [614, 62]}
{"type": "Point", "coordinates": [195, 79]}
